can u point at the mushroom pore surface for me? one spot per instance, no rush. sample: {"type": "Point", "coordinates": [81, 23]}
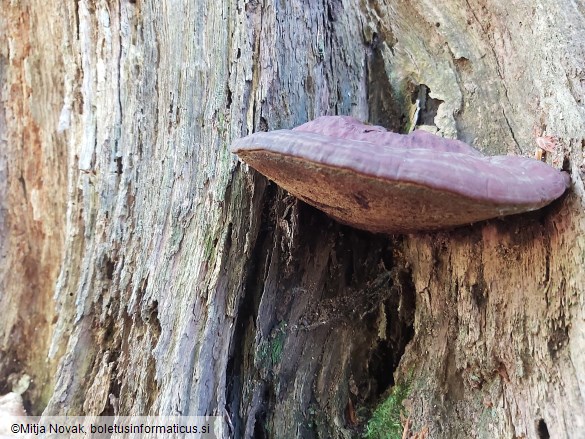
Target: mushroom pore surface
{"type": "Point", "coordinates": [380, 181]}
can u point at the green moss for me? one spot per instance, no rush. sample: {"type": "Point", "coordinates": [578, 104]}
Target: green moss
{"type": "Point", "coordinates": [276, 346]}
{"type": "Point", "coordinates": [385, 422]}
{"type": "Point", "coordinates": [278, 336]}
{"type": "Point", "coordinates": [209, 246]}
{"type": "Point", "coordinates": [270, 351]}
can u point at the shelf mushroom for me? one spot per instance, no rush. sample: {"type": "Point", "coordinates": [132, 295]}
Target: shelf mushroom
{"type": "Point", "coordinates": [376, 180]}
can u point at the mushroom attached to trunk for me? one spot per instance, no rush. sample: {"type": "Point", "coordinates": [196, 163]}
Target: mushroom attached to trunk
{"type": "Point", "coordinates": [375, 180]}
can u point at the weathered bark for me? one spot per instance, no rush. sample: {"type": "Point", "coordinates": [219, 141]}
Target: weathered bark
{"type": "Point", "coordinates": [188, 284]}
{"type": "Point", "coordinates": [33, 193]}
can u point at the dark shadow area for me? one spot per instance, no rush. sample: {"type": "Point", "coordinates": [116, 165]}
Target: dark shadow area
{"type": "Point", "coordinates": [542, 430]}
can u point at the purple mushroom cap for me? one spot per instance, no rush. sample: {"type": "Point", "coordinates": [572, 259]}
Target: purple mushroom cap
{"type": "Point", "coordinates": [380, 181]}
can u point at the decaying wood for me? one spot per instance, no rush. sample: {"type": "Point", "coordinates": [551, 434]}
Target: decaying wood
{"type": "Point", "coordinates": [33, 193]}
{"type": "Point", "coordinates": [184, 283]}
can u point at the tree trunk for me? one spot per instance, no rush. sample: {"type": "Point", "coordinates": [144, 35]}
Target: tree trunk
{"type": "Point", "coordinates": [147, 271]}
{"type": "Point", "coordinates": [34, 168]}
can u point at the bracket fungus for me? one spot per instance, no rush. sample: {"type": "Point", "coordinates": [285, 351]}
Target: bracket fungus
{"type": "Point", "coordinates": [375, 180]}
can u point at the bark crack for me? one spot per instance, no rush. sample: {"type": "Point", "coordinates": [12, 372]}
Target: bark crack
{"type": "Point", "coordinates": [512, 131]}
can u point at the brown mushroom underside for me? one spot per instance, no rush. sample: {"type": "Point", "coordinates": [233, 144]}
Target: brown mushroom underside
{"type": "Point", "coordinates": [385, 187]}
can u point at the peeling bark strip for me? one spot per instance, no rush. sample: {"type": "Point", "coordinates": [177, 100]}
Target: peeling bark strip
{"type": "Point", "coordinates": [380, 181]}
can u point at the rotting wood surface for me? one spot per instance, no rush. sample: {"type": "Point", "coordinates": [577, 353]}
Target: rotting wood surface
{"type": "Point", "coordinates": [189, 284]}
